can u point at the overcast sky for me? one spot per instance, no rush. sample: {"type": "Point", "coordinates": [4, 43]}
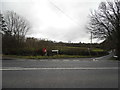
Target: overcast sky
{"type": "Point", "coordinates": [57, 20]}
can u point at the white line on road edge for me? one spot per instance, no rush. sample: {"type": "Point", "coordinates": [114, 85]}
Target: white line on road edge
{"type": "Point", "coordinates": [79, 68]}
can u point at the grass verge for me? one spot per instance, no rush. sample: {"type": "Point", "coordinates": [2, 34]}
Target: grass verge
{"type": "Point", "coordinates": [45, 57]}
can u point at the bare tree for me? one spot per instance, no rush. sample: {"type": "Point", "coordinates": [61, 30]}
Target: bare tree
{"type": "Point", "coordinates": [16, 25]}
{"type": "Point", "coordinates": [105, 23]}
{"type": "Point", "coordinates": [14, 28]}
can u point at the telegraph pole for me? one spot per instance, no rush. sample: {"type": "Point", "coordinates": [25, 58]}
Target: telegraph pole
{"type": "Point", "coordinates": [90, 47]}
{"type": "Point", "coordinates": [91, 39]}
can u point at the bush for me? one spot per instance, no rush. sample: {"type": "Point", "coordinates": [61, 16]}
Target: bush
{"type": "Point", "coordinates": [65, 50]}
{"type": "Point", "coordinates": [83, 51]}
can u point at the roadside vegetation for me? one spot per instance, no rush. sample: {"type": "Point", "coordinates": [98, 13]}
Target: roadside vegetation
{"type": "Point", "coordinates": [15, 44]}
{"type": "Point", "coordinates": [65, 50]}
{"type": "Point", "coordinates": [44, 57]}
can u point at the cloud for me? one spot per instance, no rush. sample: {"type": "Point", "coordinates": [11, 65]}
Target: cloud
{"type": "Point", "coordinates": [59, 20]}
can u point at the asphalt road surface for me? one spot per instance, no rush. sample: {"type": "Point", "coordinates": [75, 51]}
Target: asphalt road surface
{"type": "Point", "coordinates": [60, 73]}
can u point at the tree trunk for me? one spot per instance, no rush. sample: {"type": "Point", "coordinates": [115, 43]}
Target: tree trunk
{"type": "Point", "coordinates": [118, 49]}
{"type": "Point", "coordinates": [118, 53]}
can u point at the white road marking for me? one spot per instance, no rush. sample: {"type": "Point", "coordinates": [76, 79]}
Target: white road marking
{"type": "Point", "coordinates": [75, 68]}
{"type": "Point", "coordinates": [100, 57]}
{"type": "Point", "coordinates": [66, 60]}
{"type": "Point", "coordinates": [76, 60]}
{"type": "Point", "coordinates": [55, 60]}
{"type": "Point", "coordinates": [59, 60]}
{"type": "Point", "coordinates": [43, 60]}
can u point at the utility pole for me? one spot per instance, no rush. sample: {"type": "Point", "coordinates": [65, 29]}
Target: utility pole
{"type": "Point", "coordinates": [91, 39]}
{"type": "Point", "coordinates": [90, 47]}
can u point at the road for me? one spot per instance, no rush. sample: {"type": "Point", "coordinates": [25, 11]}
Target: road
{"type": "Point", "coordinates": [60, 73]}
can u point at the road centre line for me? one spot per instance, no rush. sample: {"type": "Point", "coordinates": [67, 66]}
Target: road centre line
{"type": "Point", "coordinates": [75, 68]}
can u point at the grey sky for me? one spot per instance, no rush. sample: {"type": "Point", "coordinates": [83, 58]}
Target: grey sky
{"type": "Point", "coordinates": [59, 20]}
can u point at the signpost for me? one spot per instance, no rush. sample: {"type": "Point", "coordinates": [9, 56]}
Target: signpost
{"type": "Point", "coordinates": [55, 51]}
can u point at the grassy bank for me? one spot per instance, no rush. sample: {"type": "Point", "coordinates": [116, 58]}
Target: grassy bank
{"type": "Point", "coordinates": [45, 57]}
{"type": "Point", "coordinates": [63, 50]}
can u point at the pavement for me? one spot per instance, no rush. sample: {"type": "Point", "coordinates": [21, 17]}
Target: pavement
{"type": "Point", "coordinates": [60, 73]}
